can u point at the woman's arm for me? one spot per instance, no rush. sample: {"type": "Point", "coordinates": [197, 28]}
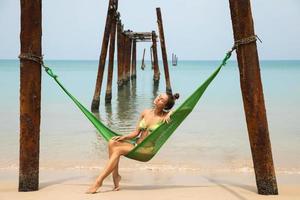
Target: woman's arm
{"type": "Point", "coordinates": [131, 135]}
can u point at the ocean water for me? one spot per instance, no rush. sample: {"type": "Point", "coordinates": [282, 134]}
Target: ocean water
{"type": "Point", "coordinates": [213, 137]}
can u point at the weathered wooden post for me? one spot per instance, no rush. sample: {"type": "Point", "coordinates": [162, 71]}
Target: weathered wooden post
{"type": "Point", "coordinates": [124, 56]}
{"type": "Point", "coordinates": [143, 60]}
{"type": "Point", "coordinates": [127, 57]}
{"type": "Point", "coordinates": [156, 75]}
{"type": "Point", "coordinates": [151, 58]}
{"type": "Point", "coordinates": [253, 97]}
{"type": "Point", "coordinates": [163, 50]}
{"type": "Point", "coordinates": [120, 43]}
{"type": "Point", "coordinates": [173, 59]}
{"type": "Point", "coordinates": [101, 67]}
{"type": "Point", "coordinates": [133, 64]}
{"type": "Point", "coordinates": [30, 94]}
{"type": "Point", "coordinates": [108, 94]}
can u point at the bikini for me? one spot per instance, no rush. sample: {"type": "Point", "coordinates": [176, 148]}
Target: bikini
{"type": "Point", "coordinates": [143, 127]}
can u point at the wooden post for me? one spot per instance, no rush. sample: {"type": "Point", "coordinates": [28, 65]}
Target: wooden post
{"type": "Point", "coordinates": [120, 44]}
{"type": "Point", "coordinates": [143, 60]}
{"type": "Point", "coordinates": [173, 59]}
{"type": "Point", "coordinates": [124, 57]}
{"type": "Point", "coordinates": [101, 66]}
{"type": "Point", "coordinates": [127, 57]}
{"type": "Point", "coordinates": [30, 95]}
{"type": "Point", "coordinates": [163, 50]}
{"type": "Point", "coordinates": [151, 58]}
{"type": "Point", "coordinates": [253, 98]}
{"type": "Point", "coordinates": [108, 94]}
{"type": "Point", "coordinates": [156, 75]}
{"type": "Point", "coordinates": [133, 64]}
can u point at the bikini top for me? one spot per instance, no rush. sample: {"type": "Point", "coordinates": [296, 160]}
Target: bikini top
{"type": "Point", "coordinates": [144, 127]}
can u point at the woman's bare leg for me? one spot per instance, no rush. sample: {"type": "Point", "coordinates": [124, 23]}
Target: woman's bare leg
{"type": "Point", "coordinates": [115, 174]}
{"type": "Point", "coordinates": [111, 165]}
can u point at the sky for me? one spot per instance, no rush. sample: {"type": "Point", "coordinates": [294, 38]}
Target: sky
{"type": "Point", "coordinates": [194, 29]}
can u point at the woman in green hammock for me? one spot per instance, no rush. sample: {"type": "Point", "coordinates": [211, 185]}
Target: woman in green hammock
{"type": "Point", "coordinates": [121, 145]}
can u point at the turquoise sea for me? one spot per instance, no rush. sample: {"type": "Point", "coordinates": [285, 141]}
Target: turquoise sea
{"type": "Point", "coordinates": [213, 137]}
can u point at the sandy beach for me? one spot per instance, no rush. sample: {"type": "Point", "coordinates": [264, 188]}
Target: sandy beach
{"type": "Point", "coordinates": [149, 184]}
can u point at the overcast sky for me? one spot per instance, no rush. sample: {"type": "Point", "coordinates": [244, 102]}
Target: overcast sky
{"type": "Point", "coordinates": [194, 29]}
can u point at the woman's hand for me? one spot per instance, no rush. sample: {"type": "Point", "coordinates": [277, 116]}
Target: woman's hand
{"type": "Point", "coordinates": [119, 138]}
{"type": "Point", "coordinates": [167, 118]}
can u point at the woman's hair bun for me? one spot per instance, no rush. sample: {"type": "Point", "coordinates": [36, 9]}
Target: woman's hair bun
{"type": "Point", "coordinates": [176, 96]}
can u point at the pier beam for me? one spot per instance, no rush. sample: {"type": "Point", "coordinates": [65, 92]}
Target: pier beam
{"type": "Point", "coordinates": [156, 75]}
{"type": "Point", "coordinates": [30, 95]}
{"type": "Point", "coordinates": [163, 50]}
{"type": "Point", "coordinates": [253, 98]}
{"type": "Point", "coordinates": [101, 66]}
{"type": "Point", "coordinates": [108, 94]}
{"type": "Point", "coordinates": [133, 63]}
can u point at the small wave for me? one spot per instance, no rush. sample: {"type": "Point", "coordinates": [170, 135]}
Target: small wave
{"type": "Point", "coordinates": [161, 168]}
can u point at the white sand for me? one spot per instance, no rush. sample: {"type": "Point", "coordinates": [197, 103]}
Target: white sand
{"type": "Point", "coordinates": [148, 185]}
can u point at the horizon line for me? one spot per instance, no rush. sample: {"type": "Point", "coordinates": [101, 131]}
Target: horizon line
{"type": "Point", "coordinates": [67, 59]}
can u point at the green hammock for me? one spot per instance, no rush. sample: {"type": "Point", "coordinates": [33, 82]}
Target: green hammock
{"type": "Point", "coordinates": [153, 142]}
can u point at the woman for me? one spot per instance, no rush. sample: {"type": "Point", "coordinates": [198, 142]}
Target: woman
{"type": "Point", "coordinates": [120, 145]}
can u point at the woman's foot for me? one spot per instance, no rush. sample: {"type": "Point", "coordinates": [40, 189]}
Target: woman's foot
{"type": "Point", "coordinates": [93, 189]}
{"type": "Point", "coordinates": [117, 180]}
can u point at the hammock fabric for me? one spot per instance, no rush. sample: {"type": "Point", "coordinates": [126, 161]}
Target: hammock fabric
{"type": "Point", "coordinates": [153, 142]}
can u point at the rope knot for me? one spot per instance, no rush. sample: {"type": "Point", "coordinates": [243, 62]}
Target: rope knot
{"type": "Point", "coordinates": [39, 60]}
{"type": "Point", "coordinates": [247, 40]}
{"type": "Point", "coordinates": [31, 57]}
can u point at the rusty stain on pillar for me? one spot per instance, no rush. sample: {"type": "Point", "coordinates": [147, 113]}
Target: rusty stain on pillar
{"type": "Point", "coordinates": [30, 95]}
{"type": "Point", "coordinates": [163, 50]}
{"type": "Point", "coordinates": [108, 94]}
{"type": "Point", "coordinates": [101, 66]}
{"type": "Point", "coordinates": [156, 75]}
{"type": "Point", "coordinates": [253, 98]}
{"type": "Point", "coordinates": [133, 64]}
